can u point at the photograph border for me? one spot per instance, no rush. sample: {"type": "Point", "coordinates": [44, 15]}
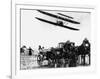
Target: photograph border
{"type": "Point", "coordinates": [15, 69]}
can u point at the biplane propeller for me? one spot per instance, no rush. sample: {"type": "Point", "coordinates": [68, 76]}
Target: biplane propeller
{"type": "Point", "coordinates": [58, 23]}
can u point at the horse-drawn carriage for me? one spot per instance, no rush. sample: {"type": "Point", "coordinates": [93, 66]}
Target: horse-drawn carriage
{"type": "Point", "coordinates": [58, 57]}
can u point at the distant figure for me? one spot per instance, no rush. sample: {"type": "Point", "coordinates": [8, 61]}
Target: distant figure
{"type": "Point", "coordinates": [84, 50]}
{"type": "Point", "coordinates": [30, 51]}
{"type": "Point", "coordinates": [22, 49]}
{"type": "Point", "coordinates": [40, 48]}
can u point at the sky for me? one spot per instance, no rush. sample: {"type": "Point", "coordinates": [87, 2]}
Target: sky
{"type": "Point", "coordinates": [35, 32]}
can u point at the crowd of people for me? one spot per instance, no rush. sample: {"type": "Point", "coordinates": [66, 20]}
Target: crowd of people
{"type": "Point", "coordinates": [65, 55]}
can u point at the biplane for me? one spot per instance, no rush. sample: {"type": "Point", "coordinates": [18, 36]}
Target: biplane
{"type": "Point", "coordinates": [59, 22]}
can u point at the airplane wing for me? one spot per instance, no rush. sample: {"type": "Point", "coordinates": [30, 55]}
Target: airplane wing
{"type": "Point", "coordinates": [56, 24]}
{"type": "Point", "coordinates": [66, 15]}
{"type": "Point", "coordinates": [56, 16]}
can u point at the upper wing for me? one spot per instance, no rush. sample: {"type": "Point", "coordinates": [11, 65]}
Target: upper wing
{"type": "Point", "coordinates": [56, 16]}
{"type": "Point", "coordinates": [56, 24]}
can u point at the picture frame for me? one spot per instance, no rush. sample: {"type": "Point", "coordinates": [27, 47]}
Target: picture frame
{"type": "Point", "coordinates": [17, 20]}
